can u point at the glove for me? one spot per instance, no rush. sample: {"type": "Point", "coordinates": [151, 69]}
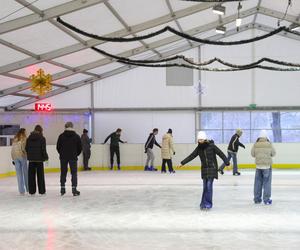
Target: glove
{"type": "Point", "coordinates": [145, 151]}
{"type": "Point", "coordinates": [173, 153]}
{"type": "Point", "coordinates": [243, 146]}
{"type": "Point", "coordinates": [227, 163]}
{"type": "Point", "coordinates": [13, 162]}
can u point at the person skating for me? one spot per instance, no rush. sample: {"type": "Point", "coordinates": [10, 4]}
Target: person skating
{"type": "Point", "coordinates": [207, 152]}
{"type": "Point", "coordinates": [36, 155]}
{"type": "Point", "coordinates": [69, 148]}
{"type": "Point", "coordinates": [86, 149]}
{"type": "Point", "coordinates": [114, 147]}
{"type": "Point", "coordinates": [18, 155]}
{"type": "Point", "coordinates": [151, 141]}
{"type": "Point", "coordinates": [232, 151]}
{"type": "Point", "coordinates": [263, 151]}
{"type": "Point", "coordinates": [167, 150]}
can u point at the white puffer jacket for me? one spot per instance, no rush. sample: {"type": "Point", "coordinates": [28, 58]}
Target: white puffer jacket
{"type": "Point", "coordinates": [263, 151]}
{"type": "Point", "coordinates": [167, 147]}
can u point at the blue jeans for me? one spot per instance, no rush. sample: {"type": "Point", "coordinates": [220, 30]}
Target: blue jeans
{"type": "Point", "coordinates": [206, 201]}
{"type": "Point", "coordinates": [234, 159]}
{"type": "Point", "coordinates": [263, 180]}
{"type": "Point", "coordinates": [22, 174]}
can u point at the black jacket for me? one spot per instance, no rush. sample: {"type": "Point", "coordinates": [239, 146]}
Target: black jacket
{"type": "Point", "coordinates": [68, 145]}
{"type": "Point", "coordinates": [36, 147]}
{"type": "Point", "coordinates": [151, 141]}
{"type": "Point", "coordinates": [85, 143]}
{"type": "Point", "coordinates": [234, 144]}
{"type": "Point", "coordinates": [207, 153]}
{"type": "Point", "coordinates": [114, 139]}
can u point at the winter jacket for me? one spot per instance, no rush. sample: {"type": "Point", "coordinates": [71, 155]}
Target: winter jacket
{"type": "Point", "coordinates": [114, 139]}
{"type": "Point", "coordinates": [151, 141]}
{"type": "Point", "coordinates": [18, 149]}
{"type": "Point", "coordinates": [207, 152]}
{"type": "Point", "coordinates": [263, 152]}
{"type": "Point", "coordinates": [167, 147]}
{"type": "Point", "coordinates": [36, 147]}
{"type": "Point", "coordinates": [85, 143]}
{"type": "Point", "coordinates": [69, 145]}
{"type": "Point", "coordinates": [234, 144]}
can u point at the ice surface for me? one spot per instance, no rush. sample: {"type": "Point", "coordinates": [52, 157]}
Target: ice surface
{"type": "Point", "coordinates": [148, 210]}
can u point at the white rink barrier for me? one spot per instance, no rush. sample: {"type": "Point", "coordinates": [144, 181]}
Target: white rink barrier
{"type": "Point", "coordinates": [133, 157]}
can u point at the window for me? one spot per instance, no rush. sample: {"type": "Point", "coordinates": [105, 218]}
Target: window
{"type": "Point", "coordinates": [282, 126]}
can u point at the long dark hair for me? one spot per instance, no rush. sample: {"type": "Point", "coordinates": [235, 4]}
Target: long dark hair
{"type": "Point", "coordinates": [20, 135]}
{"type": "Point", "coordinates": [38, 129]}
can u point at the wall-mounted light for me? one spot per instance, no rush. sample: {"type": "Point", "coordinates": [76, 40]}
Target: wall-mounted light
{"type": "Point", "coordinates": [294, 27]}
{"type": "Point", "coordinates": [238, 22]}
{"type": "Point", "coordinates": [219, 9]}
{"type": "Point", "coordinates": [221, 29]}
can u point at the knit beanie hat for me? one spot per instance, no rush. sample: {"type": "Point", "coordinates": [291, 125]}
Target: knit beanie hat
{"type": "Point", "coordinates": [239, 132]}
{"type": "Point", "coordinates": [170, 131]}
{"type": "Point", "coordinates": [201, 135]}
{"type": "Point", "coordinates": [263, 134]}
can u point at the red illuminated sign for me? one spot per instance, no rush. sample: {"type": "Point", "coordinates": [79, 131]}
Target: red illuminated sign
{"type": "Point", "coordinates": [46, 107]}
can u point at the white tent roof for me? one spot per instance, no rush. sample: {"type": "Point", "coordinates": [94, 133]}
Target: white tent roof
{"type": "Point", "coordinates": [31, 38]}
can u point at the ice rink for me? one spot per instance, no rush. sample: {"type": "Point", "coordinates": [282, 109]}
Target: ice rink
{"type": "Point", "coordinates": [148, 210]}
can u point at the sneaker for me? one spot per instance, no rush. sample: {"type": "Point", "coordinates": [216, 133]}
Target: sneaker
{"type": "Point", "coordinates": [257, 202]}
{"type": "Point", "coordinates": [111, 168]}
{"type": "Point", "coordinates": [75, 192]}
{"type": "Point", "coordinates": [62, 191]}
{"type": "Point", "coordinates": [172, 172]}
{"type": "Point", "coordinates": [163, 172]}
{"type": "Point", "coordinates": [237, 173]}
{"type": "Point", "coordinates": [146, 168]}
{"type": "Point", "coordinates": [154, 169]}
{"type": "Point", "coordinates": [221, 171]}
{"type": "Point", "coordinates": [268, 202]}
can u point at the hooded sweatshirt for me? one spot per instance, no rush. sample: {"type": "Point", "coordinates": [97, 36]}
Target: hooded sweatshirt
{"type": "Point", "coordinates": [69, 145]}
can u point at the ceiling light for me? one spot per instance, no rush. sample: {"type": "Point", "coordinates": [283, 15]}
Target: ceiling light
{"type": "Point", "coordinates": [294, 26]}
{"type": "Point", "coordinates": [238, 22]}
{"type": "Point", "coordinates": [221, 29]}
{"type": "Point", "coordinates": [219, 9]}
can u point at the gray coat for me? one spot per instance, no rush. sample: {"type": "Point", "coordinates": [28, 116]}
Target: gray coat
{"type": "Point", "coordinates": [263, 151]}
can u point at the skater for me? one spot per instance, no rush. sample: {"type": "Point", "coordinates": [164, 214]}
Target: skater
{"type": "Point", "coordinates": [149, 150]}
{"type": "Point", "coordinates": [232, 151]}
{"type": "Point", "coordinates": [207, 152]}
{"type": "Point", "coordinates": [69, 148]}
{"type": "Point", "coordinates": [86, 149]}
{"type": "Point", "coordinates": [263, 151]}
{"type": "Point", "coordinates": [36, 155]}
{"type": "Point", "coordinates": [167, 150]}
{"type": "Point", "coordinates": [114, 147]}
{"type": "Point", "coordinates": [18, 155]}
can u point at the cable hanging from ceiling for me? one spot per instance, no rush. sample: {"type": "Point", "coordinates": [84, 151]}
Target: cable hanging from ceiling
{"type": "Point", "coordinates": [174, 31]}
{"type": "Point", "coordinates": [199, 66]}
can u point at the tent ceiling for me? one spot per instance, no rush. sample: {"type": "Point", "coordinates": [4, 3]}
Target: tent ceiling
{"type": "Point", "coordinates": [29, 41]}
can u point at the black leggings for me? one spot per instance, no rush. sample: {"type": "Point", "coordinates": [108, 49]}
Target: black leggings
{"type": "Point", "coordinates": [114, 150]}
{"type": "Point", "coordinates": [170, 165]}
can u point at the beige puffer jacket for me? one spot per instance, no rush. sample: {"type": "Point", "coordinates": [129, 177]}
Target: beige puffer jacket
{"type": "Point", "coordinates": [263, 151]}
{"type": "Point", "coordinates": [167, 147]}
{"type": "Point", "coordinates": [18, 149]}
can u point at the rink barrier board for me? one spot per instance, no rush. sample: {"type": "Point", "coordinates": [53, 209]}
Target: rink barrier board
{"type": "Point", "coordinates": [141, 168]}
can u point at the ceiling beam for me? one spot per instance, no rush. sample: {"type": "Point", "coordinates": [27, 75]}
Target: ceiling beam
{"type": "Point", "coordinates": [278, 15]}
{"type": "Point", "coordinates": [53, 12]}
{"type": "Point", "coordinates": [126, 26]}
{"type": "Point", "coordinates": [120, 70]}
{"type": "Point", "coordinates": [93, 42]}
{"type": "Point", "coordinates": [173, 15]}
{"type": "Point", "coordinates": [132, 52]}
